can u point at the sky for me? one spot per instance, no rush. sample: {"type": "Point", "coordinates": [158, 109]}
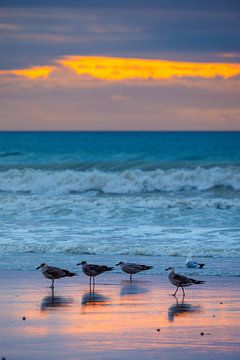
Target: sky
{"type": "Point", "coordinates": [120, 65]}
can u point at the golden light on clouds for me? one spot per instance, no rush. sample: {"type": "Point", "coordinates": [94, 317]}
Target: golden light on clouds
{"type": "Point", "coordinates": [122, 69]}
{"type": "Point", "coordinates": [117, 69]}
{"type": "Point", "coordinates": [31, 73]}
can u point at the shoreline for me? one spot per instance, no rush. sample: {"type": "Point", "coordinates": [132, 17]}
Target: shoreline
{"type": "Point", "coordinates": [214, 266]}
{"type": "Point", "coordinates": [120, 319]}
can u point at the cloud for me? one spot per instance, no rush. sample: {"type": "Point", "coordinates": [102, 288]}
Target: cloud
{"type": "Point", "coordinates": [117, 69]}
{"type": "Point", "coordinates": [31, 73]}
{"type": "Point", "coordinates": [157, 4]}
{"type": "Point", "coordinates": [7, 27]}
{"type": "Point", "coordinates": [120, 97]}
{"type": "Point", "coordinates": [28, 104]}
{"type": "Point", "coordinates": [94, 70]}
{"type": "Point", "coordinates": [161, 29]}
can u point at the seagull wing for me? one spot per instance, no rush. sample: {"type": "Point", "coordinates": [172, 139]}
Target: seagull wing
{"type": "Point", "coordinates": [55, 272]}
{"type": "Point", "coordinates": [181, 279]}
{"type": "Point", "coordinates": [93, 267]}
{"type": "Point", "coordinates": [132, 268]}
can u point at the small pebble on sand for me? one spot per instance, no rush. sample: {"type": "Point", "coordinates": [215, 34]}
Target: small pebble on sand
{"type": "Point", "coordinates": [23, 318]}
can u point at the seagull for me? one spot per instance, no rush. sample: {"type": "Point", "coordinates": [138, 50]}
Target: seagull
{"type": "Point", "coordinates": [93, 270]}
{"type": "Point", "coordinates": [181, 280]}
{"type": "Point", "coordinates": [193, 264]}
{"type": "Point", "coordinates": [52, 272]}
{"type": "Point", "coordinates": [131, 268]}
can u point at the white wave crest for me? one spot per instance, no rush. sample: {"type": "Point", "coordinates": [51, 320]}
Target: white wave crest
{"type": "Point", "coordinates": [130, 181]}
{"type": "Point", "coordinates": [116, 249]}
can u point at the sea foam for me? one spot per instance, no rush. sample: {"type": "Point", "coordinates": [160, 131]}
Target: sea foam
{"type": "Point", "coordinates": [125, 182]}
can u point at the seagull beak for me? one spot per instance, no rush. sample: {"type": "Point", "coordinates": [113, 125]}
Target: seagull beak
{"type": "Point", "coordinates": [167, 269]}
{"type": "Point", "coordinates": [117, 264]}
{"type": "Point", "coordinates": [38, 267]}
{"type": "Point", "coordinates": [79, 263]}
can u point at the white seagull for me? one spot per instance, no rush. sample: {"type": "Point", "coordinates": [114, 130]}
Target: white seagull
{"type": "Point", "coordinates": [132, 268]}
{"type": "Point", "coordinates": [193, 264]}
{"type": "Point", "coordinates": [181, 280]}
{"type": "Point", "coordinates": [92, 270]}
{"type": "Point", "coordinates": [52, 272]}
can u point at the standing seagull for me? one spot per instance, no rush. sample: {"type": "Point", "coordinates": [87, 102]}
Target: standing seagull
{"type": "Point", "coordinates": [181, 280]}
{"type": "Point", "coordinates": [193, 264]}
{"type": "Point", "coordinates": [93, 270]}
{"type": "Point", "coordinates": [131, 268]}
{"type": "Point", "coordinates": [52, 272]}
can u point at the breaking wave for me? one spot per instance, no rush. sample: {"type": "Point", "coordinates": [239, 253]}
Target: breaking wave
{"type": "Point", "coordinates": [124, 182]}
{"type": "Point", "coordinates": [92, 248]}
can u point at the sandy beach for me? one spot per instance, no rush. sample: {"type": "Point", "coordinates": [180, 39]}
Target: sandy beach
{"type": "Point", "coordinates": [119, 320]}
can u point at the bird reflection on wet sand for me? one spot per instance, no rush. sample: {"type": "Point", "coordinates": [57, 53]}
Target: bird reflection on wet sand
{"type": "Point", "coordinates": [53, 302]}
{"type": "Point", "coordinates": [132, 289]}
{"type": "Point", "coordinates": [93, 298]}
{"type": "Point", "coordinates": [179, 309]}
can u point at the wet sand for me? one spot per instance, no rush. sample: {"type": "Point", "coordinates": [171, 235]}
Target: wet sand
{"type": "Point", "coordinates": [138, 320]}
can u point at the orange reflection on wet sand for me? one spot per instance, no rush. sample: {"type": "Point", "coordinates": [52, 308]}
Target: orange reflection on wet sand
{"type": "Point", "coordinates": [126, 316]}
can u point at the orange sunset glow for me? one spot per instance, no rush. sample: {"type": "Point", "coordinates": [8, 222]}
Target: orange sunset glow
{"type": "Point", "coordinates": [115, 69]}
{"type": "Point", "coordinates": [30, 73]}
{"type": "Point", "coordinates": [119, 69]}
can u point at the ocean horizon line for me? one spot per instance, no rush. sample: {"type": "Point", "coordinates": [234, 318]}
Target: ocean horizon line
{"type": "Point", "coordinates": [120, 131]}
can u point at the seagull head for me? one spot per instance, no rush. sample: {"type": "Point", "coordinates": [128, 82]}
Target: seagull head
{"type": "Point", "coordinates": [120, 263]}
{"type": "Point", "coordinates": [170, 269]}
{"type": "Point", "coordinates": [41, 266]}
{"type": "Point", "coordinates": [82, 263]}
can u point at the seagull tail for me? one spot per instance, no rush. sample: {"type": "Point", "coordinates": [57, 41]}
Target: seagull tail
{"type": "Point", "coordinates": [69, 273]}
{"type": "Point", "coordinates": [199, 282]}
{"type": "Point", "coordinates": [201, 266]}
{"type": "Point", "coordinates": [147, 267]}
{"type": "Point", "coordinates": [109, 268]}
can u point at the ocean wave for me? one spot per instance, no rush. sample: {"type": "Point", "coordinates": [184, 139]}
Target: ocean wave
{"type": "Point", "coordinates": [104, 207]}
{"type": "Point", "coordinates": [89, 248]}
{"type": "Point", "coordinates": [71, 162]}
{"type": "Point", "coordinates": [125, 182]}
{"type": "Point", "coordinates": [10, 153]}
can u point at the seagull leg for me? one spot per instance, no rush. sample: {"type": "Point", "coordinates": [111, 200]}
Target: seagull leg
{"type": "Point", "coordinates": [52, 286]}
{"type": "Point", "coordinates": [130, 277]}
{"type": "Point", "coordinates": [175, 292]}
{"type": "Point", "coordinates": [183, 292]}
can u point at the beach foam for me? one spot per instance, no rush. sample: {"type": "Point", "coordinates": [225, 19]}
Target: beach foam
{"type": "Point", "coordinates": [125, 182]}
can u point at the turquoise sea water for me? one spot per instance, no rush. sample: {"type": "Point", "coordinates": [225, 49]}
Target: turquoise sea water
{"type": "Point", "coordinates": [150, 196]}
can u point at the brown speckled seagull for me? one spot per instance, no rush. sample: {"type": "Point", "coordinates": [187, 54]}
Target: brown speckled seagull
{"type": "Point", "coordinates": [93, 270]}
{"type": "Point", "coordinates": [181, 280]}
{"type": "Point", "coordinates": [52, 272]}
{"type": "Point", "coordinates": [132, 268]}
